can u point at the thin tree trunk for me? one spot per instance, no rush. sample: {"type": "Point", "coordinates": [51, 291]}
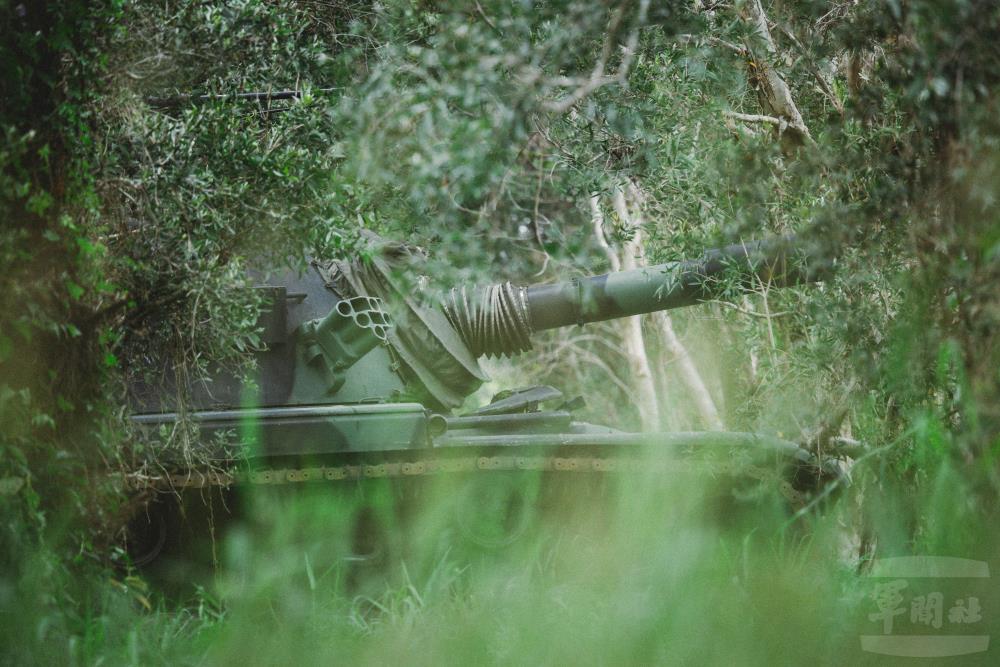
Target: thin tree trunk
{"type": "Point", "coordinates": [697, 390]}
{"type": "Point", "coordinates": [692, 378]}
{"type": "Point", "coordinates": [632, 339]}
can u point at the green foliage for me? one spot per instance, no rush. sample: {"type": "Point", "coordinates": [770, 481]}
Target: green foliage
{"type": "Point", "coordinates": [131, 223]}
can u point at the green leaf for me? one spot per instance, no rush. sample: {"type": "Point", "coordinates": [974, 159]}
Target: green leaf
{"type": "Point", "coordinates": [39, 202]}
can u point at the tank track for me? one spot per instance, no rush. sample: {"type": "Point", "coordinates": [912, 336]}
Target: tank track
{"type": "Point", "coordinates": [429, 466]}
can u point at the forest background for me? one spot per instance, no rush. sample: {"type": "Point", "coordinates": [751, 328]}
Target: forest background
{"type": "Point", "coordinates": [528, 141]}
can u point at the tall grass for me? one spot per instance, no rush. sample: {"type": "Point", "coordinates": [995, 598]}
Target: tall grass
{"type": "Point", "coordinates": [628, 569]}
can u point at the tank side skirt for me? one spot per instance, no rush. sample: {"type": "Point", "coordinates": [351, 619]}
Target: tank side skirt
{"type": "Point", "coordinates": [430, 466]}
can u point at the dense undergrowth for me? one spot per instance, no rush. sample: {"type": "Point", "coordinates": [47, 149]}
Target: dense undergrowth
{"type": "Point", "coordinates": [488, 134]}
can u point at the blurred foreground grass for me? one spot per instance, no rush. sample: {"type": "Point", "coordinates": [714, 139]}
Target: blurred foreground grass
{"type": "Point", "coordinates": [635, 569]}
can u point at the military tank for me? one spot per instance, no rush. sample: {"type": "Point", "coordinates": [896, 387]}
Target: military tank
{"type": "Point", "coordinates": [359, 377]}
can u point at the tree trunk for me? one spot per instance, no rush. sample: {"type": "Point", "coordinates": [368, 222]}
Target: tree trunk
{"type": "Point", "coordinates": [773, 93]}
{"type": "Point", "coordinates": [695, 384]}
{"type": "Point", "coordinates": [691, 377]}
{"type": "Point", "coordinates": [640, 372]}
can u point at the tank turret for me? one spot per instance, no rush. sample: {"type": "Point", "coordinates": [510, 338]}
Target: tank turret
{"type": "Point", "coordinates": [356, 360]}
{"type": "Point", "coordinates": [499, 320]}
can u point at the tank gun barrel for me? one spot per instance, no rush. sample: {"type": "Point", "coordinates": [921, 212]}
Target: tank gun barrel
{"type": "Point", "coordinates": [663, 287]}
{"type": "Point", "coordinates": [499, 319]}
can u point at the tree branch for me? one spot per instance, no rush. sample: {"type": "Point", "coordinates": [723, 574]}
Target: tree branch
{"type": "Point", "coordinates": [696, 40]}
{"type": "Point", "coordinates": [774, 94]}
{"type": "Point", "coordinates": [756, 118]}
{"type": "Point", "coordinates": [821, 81]}
{"type": "Point", "coordinates": [598, 79]}
{"type": "Point", "coordinates": [597, 217]}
